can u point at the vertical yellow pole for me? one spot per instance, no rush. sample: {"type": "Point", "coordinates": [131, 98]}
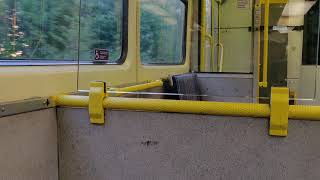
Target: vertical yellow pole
{"type": "Point", "coordinates": [203, 29]}
{"type": "Point", "coordinates": [138, 35]}
{"type": "Point", "coordinates": [220, 46]}
{"type": "Point", "coordinates": [264, 82]}
{"type": "Point", "coordinates": [258, 6]}
{"type": "Point", "coordinates": [212, 35]}
{"type": "Point", "coordinates": [219, 23]}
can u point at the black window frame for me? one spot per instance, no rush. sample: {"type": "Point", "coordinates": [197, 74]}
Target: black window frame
{"type": "Point", "coordinates": [48, 62]}
{"type": "Point", "coordinates": [184, 43]}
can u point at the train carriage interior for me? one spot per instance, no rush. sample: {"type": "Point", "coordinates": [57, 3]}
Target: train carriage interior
{"type": "Point", "coordinates": [159, 89]}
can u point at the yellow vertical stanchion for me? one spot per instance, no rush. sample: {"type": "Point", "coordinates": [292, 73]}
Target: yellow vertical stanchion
{"type": "Point", "coordinates": [264, 82]}
{"type": "Point", "coordinates": [212, 35]}
{"type": "Point", "coordinates": [203, 30]}
{"type": "Point", "coordinates": [258, 9]}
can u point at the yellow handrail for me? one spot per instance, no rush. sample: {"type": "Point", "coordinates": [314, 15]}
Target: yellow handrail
{"type": "Point", "coordinates": [219, 44]}
{"type": "Point", "coordinates": [279, 109]}
{"type": "Point", "coordinates": [211, 41]}
{"type": "Point", "coordinates": [258, 61]}
{"type": "Point", "coordinates": [194, 107]}
{"type": "Point", "coordinates": [298, 112]}
{"type": "Point", "coordinates": [221, 58]}
{"type": "Point", "coordinates": [177, 106]}
{"type": "Point", "coordinates": [304, 112]}
{"type": "Point", "coordinates": [212, 35]}
{"type": "Point", "coordinates": [134, 88]}
{"type": "Point", "coordinates": [139, 87]}
{"type": "Point", "coordinates": [203, 33]}
{"type": "Point", "coordinates": [264, 82]}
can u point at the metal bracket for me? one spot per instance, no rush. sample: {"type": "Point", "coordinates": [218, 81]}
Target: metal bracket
{"type": "Point", "coordinates": [263, 84]}
{"type": "Point", "coordinates": [279, 112]}
{"type": "Point", "coordinates": [24, 106]}
{"type": "Point", "coordinates": [275, 1]}
{"type": "Point", "coordinates": [96, 96]}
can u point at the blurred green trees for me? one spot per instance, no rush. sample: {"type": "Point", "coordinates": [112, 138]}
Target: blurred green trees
{"type": "Point", "coordinates": [49, 29]}
{"type": "Point", "coordinates": [162, 31]}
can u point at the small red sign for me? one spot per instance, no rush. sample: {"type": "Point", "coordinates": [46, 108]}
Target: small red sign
{"type": "Point", "coordinates": [101, 55]}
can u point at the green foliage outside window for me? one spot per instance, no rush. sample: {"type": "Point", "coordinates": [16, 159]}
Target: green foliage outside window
{"type": "Point", "coordinates": [52, 30]}
{"type": "Point", "coordinates": [49, 29]}
{"type": "Point", "coordinates": [162, 31]}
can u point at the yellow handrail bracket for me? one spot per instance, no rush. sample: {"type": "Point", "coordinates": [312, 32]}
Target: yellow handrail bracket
{"type": "Point", "coordinates": [97, 95]}
{"type": "Point", "coordinates": [279, 112]}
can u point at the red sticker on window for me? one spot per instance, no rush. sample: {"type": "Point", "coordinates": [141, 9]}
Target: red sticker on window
{"type": "Point", "coordinates": [101, 55]}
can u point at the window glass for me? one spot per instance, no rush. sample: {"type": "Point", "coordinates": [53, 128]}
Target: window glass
{"type": "Point", "coordinates": [311, 36]}
{"type": "Point", "coordinates": [49, 30]}
{"type": "Point", "coordinates": [162, 32]}
{"type": "Point", "coordinates": [101, 28]}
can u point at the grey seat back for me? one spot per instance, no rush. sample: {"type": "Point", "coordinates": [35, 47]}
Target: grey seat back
{"type": "Point", "coordinates": [187, 86]}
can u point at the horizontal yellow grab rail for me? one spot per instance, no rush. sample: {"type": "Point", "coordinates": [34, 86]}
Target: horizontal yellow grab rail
{"type": "Point", "coordinates": [71, 100]}
{"type": "Point", "coordinates": [304, 112]}
{"type": "Point", "coordinates": [139, 87]}
{"type": "Point", "coordinates": [160, 105]}
{"type": "Point", "coordinates": [193, 107]}
{"type": "Point", "coordinates": [134, 88]}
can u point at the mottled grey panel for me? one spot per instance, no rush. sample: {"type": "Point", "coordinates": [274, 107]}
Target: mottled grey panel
{"type": "Point", "coordinates": [168, 146]}
{"type": "Point", "coordinates": [226, 87]}
{"type": "Point", "coordinates": [28, 148]}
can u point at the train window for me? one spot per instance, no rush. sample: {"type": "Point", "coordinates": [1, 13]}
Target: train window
{"type": "Point", "coordinates": [56, 31]}
{"type": "Point", "coordinates": [311, 55]}
{"type": "Point", "coordinates": [102, 28]}
{"type": "Point", "coordinates": [162, 31]}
